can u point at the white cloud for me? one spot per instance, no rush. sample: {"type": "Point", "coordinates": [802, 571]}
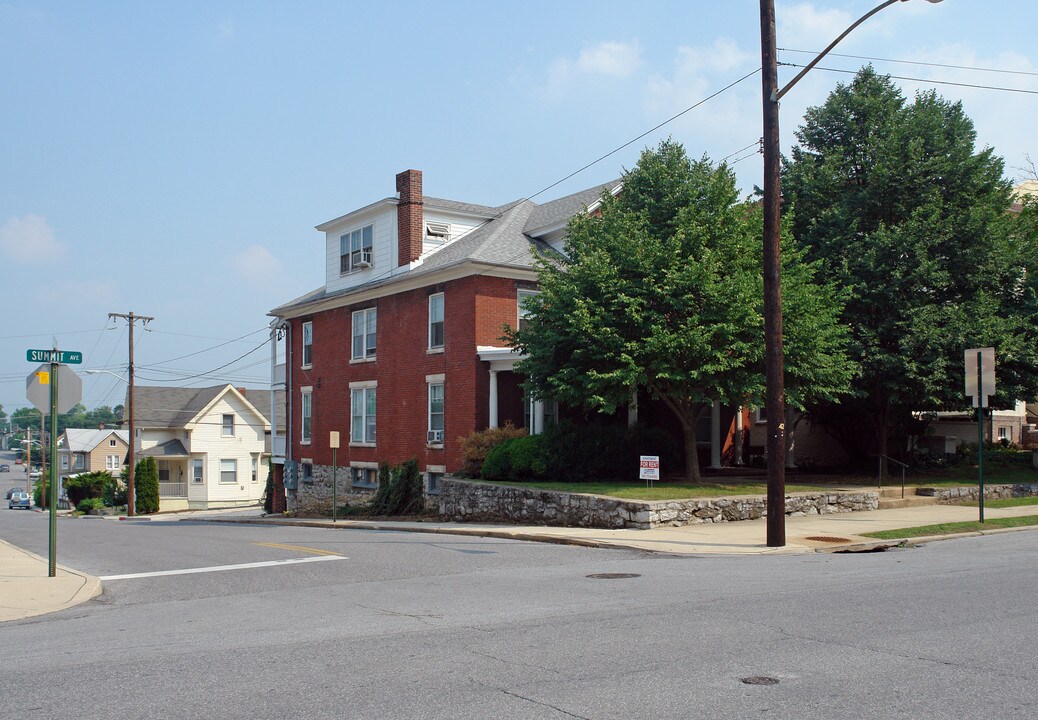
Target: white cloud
{"type": "Point", "coordinates": [608, 59]}
{"type": "Point", "coordinates": [256, 264]}
{"type": "Point", "coordinates": [806, 27]}
{"type": "Point", "coordinates": [29, 239]}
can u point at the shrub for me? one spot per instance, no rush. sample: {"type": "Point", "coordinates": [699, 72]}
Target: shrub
{"type": "Point", "coordinates": [268, 491]}
{"type": "Point", "coordinates": [87, 485]}
{"type": "Point", "coordinates": [87, 504]}
{"type": "Point", "coordinates": [146, 486]}
{"type": "Point", "coordinates": [400, 490]}
{"type": "Point", "coordinates": [498, 464]}
{"type": "Point", "coordinates": [518, 459]}
{"type": "Point", "coordinates": [114, 492]}
{"type": "Point", "coordinates": [476, 446]}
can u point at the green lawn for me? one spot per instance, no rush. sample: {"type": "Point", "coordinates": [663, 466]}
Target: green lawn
{"type": "Point", "coordinates": [664, 491]}
{"type": "Point", "coordinates": [954, 528]}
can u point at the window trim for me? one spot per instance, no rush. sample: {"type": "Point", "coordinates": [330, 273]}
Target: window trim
{"type": "Point", "coordinates": [112, 443]}
{"type": "Point", "coordinates": [442, 323]}
{"type": "Point", "coordinates": [224, 425]}
{"type": "Point", "coordinates": [255, 469]}
{"type": "Point", "coordinates": [346, 259]}
{"type": "Point", "coordinates": [364, 387]}
{"type": "Point", "coordinates": [435, 381]}
{"type": "Point", "coordinates": [307, 357]}
{"type": "Point", "coordinates": [306, 413]}
{"type": "Point", "coordinates": [367, 316]}
{"type": "Point", "coordinates": [369, 468]}
{"type": "Point", "coordinates": [198, 464]}
{"type": "Point", "coordinates": [222, 471]}
{"type": "Point", "coordinates": [519, 314]}
{"type": "Point", "coordinates": [112, 462]}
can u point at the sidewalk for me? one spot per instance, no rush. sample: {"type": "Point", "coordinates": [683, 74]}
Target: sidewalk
{"type": "Point", "coordinates": [25, 589]}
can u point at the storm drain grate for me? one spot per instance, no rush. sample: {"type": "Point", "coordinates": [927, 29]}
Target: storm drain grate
{"type": "Point", "coordinates": [827, 538]}
{"type": "Point", "coordinates": [760, 680]}
{"type": "Point", "coordinates": [613, 576]}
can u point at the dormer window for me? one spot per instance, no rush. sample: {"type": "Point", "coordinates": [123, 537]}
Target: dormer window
{"type": "Point", "coordinates": [355, 250]}
{"type": "Point", "coordinates": [437, 233]}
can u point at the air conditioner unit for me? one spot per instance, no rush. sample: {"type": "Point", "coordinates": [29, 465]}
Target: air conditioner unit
{"type": "Point", "coordinates": [436, 436]}
{"type": "Point", "coordinates": [364, 262]}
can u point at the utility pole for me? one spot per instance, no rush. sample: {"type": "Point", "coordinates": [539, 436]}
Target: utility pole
{"type": "Point", "coordinates": [130, 497]}
{"type": "Point", "coordinates": [774, 360]}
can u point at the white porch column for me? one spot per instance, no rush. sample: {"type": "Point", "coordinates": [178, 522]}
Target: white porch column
{"type": "Point", "coordinates": [632, 409]}
{"type": "Point", "coordinates": [538, 417]}
{"type": "Point", "coordinates": [493, 398]}
{"type": "Point", "coordinates": [738, 435]}
{"type": "Point", "coordinates": [715, 435]}
{"type": "Point", "coordinates": [790, 440]}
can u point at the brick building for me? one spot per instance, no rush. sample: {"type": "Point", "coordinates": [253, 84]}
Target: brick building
{"type": "Point", "coordinates": [401, 351]}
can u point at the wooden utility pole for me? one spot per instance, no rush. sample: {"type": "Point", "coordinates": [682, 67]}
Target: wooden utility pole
{"type": "Point", "coordinates": [130, 497]}
{"type": "Point", "coordinates": [774, 360]}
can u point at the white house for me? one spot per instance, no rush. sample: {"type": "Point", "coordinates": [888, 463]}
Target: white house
{"type": "Point", "coordinates": [209, 444]}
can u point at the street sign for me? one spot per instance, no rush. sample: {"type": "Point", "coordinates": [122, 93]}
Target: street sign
{"type": "Point", "coordinates": [987, 379]}
{"type": "Point", "coordinates": [68, 357]}
{"type": "Point", "coordinates": [38, 383]}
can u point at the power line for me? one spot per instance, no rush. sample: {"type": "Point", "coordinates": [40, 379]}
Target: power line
{"type": "Point", "coordinates": [922, 80]}
{"type": "Point", "coordinates": [214, 347]}
{"type": "Point", "coordinates": [918, 62]}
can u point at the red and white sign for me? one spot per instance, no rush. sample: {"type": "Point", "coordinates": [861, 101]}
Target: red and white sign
{"type": "Point", "coordinates": [649, 467]}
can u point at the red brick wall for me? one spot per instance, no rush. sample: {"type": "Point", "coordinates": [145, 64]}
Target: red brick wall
{"type": "Point", "coordinates": [474, 310]}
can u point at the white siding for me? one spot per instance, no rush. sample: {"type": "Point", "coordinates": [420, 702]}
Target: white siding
{"type": "Point", "coordinates": [247, 440]}
{"type": "Point", "coordinates": [384, 250]}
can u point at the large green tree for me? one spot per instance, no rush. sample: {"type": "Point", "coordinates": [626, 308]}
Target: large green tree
{"type": "Point", "coordinates": [661, 291]}
{"type": "Point", "coordinates": [901, 209]}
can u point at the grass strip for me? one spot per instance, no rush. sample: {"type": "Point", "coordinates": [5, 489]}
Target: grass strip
{"type": "Point", "coordinates": [954, 528]}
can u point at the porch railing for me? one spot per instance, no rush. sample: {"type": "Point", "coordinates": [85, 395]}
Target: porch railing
{"type": "Point", "coordinates": [173, 489]}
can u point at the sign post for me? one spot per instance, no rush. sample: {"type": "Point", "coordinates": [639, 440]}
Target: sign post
{"type": "Point", "coordinates": [649, 468]}
{"type": "Point", "coordinates": [53, 388]}
{"type": "Point", "coordinates": [980, 383]}
{"type": "Point", "coordinates": [333, 442]}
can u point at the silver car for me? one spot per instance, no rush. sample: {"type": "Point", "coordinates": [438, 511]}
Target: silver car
{"type": "Point", "coordinates": [20, 499]}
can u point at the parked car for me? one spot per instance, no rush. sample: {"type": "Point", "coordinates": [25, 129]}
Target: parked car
{"type": "Point", "coordinates": [18, 461]}
{"type": "Point", "coordinates": [20, 499]}
{"type": "Point", "coordinates": [5, 468]}
{"type": "Point", "coordinates": [12, 491]}
{"type": "Point", "coordinates": [35, 474]}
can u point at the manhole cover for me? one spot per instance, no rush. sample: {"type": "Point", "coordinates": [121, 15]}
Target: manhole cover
{"type": "Point", "coordinates": [760, 680]}
{"type": "Point", "coordinates": [827, 538]}
{"type": "Point", "coordinates": [613, 576]}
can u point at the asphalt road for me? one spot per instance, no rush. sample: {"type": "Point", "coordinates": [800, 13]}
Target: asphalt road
{"type": "Point", "coordinates": [402, 625]}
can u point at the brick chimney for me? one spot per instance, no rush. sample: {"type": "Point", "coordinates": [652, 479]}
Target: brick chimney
{"type": "Point", "coordinates": [409, 218]}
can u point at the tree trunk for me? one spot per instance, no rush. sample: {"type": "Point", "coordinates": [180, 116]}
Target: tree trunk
{"type": "Point", "coordinates": [691, 453]}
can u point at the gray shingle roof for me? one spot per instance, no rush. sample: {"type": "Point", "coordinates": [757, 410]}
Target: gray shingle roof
{"type": "Point", "coordinates": [86, 439]}
{"type": "Point", "coordinates": [169, 407]}
{"type": "Point", "coordinates": [503, 240]}
{"type": "Point", "coordinates": [170, 448]}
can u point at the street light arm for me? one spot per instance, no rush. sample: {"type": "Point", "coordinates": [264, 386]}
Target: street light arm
{"type": "Point", "coordinates": [777, 95]}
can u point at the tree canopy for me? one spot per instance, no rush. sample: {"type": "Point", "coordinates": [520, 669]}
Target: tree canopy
{"type": "Point", "coordinates": [661, 290]}
{"type": "Point", "coordinates": [901, 210]}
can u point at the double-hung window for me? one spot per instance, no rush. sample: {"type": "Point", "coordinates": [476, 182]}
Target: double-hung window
{"type": "Point", "coordinates": [362, 413]}
{"type": "Point", "coordinates": [112, 462]}
{"type": "Point", "coordinates": [228, 425]}
{"type": "Point", "coordinates": [355, 250]}
{"type": "Point", "coordinates": [524, 308]}
{"type": "Point", "coordinates": [364, 331]}
{"type": "Point", "coordinates": [436, 412]}
{"type": "Point", "coordinates": [111, 443]}
{"type": "Point", "coordinates": [308, 344]}
{"type": "Point", "coordinates": [228, 471]}
{"type": "Point", "coordinates": [196, 470]}
{"type": "Point", "coordinates": [80, 461]}
{"type": "Point", "coordinates": [255, 469]}
{"type": "Point", "coordinates": [307, 410]}
{"type": "Point", "coordinates": [64, 462]}
{"type": "Point", "coordinates": [436, 321]}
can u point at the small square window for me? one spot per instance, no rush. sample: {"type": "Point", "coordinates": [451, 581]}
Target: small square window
{"type": "Point", "coordinates": [364, 477]}
{"type": "Point", "coordinates": [111, 443]}
{"type": "Point", "coordinates": [308, 472]}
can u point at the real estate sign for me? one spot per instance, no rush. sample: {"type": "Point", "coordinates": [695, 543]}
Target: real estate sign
{"type": "Point", "coordinates": [649, 467]}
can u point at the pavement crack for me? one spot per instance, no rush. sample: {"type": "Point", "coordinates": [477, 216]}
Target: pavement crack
{"type": "Point", "coordinates": [395, 613]}
{"type": "Point", "coordinates": [543, 704]}
{"type": "Point", "coordinates": [508, 661]}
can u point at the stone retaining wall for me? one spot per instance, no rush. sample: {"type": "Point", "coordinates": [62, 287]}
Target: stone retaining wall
{"type": "Point", "coordinates": [952, 495]}
{"type": "Point", "coordinates": [468, 501]}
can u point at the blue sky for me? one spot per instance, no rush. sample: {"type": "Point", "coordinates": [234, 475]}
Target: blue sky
{"type": "Point", "coordinates": [172, 158]}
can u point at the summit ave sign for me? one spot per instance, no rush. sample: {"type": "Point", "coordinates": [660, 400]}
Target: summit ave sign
{"type": "Point", "coordinates": [66, 357]}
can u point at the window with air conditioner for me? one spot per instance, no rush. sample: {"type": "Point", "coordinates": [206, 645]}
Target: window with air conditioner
{"type": "Point", "coordinates": [435, 433]}
{"type": "Point", "coordinates": [355, 250]}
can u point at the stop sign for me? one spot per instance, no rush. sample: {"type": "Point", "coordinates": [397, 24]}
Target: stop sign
{"type": "Point", "coordinates": [38, 386]}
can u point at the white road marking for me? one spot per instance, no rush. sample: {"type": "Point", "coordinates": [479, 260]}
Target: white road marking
{"type": "Point", "coordinates": [221, 568]}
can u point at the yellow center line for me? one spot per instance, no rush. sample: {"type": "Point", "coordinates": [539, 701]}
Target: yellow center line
{"type": "Point", "coordinates": [300, 548]}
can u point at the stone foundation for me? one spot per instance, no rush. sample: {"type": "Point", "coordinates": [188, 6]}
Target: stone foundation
{"type": "Point", "coordinates": [468, 501]}
{"type": "Point", "coordinates": [315, 498]}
